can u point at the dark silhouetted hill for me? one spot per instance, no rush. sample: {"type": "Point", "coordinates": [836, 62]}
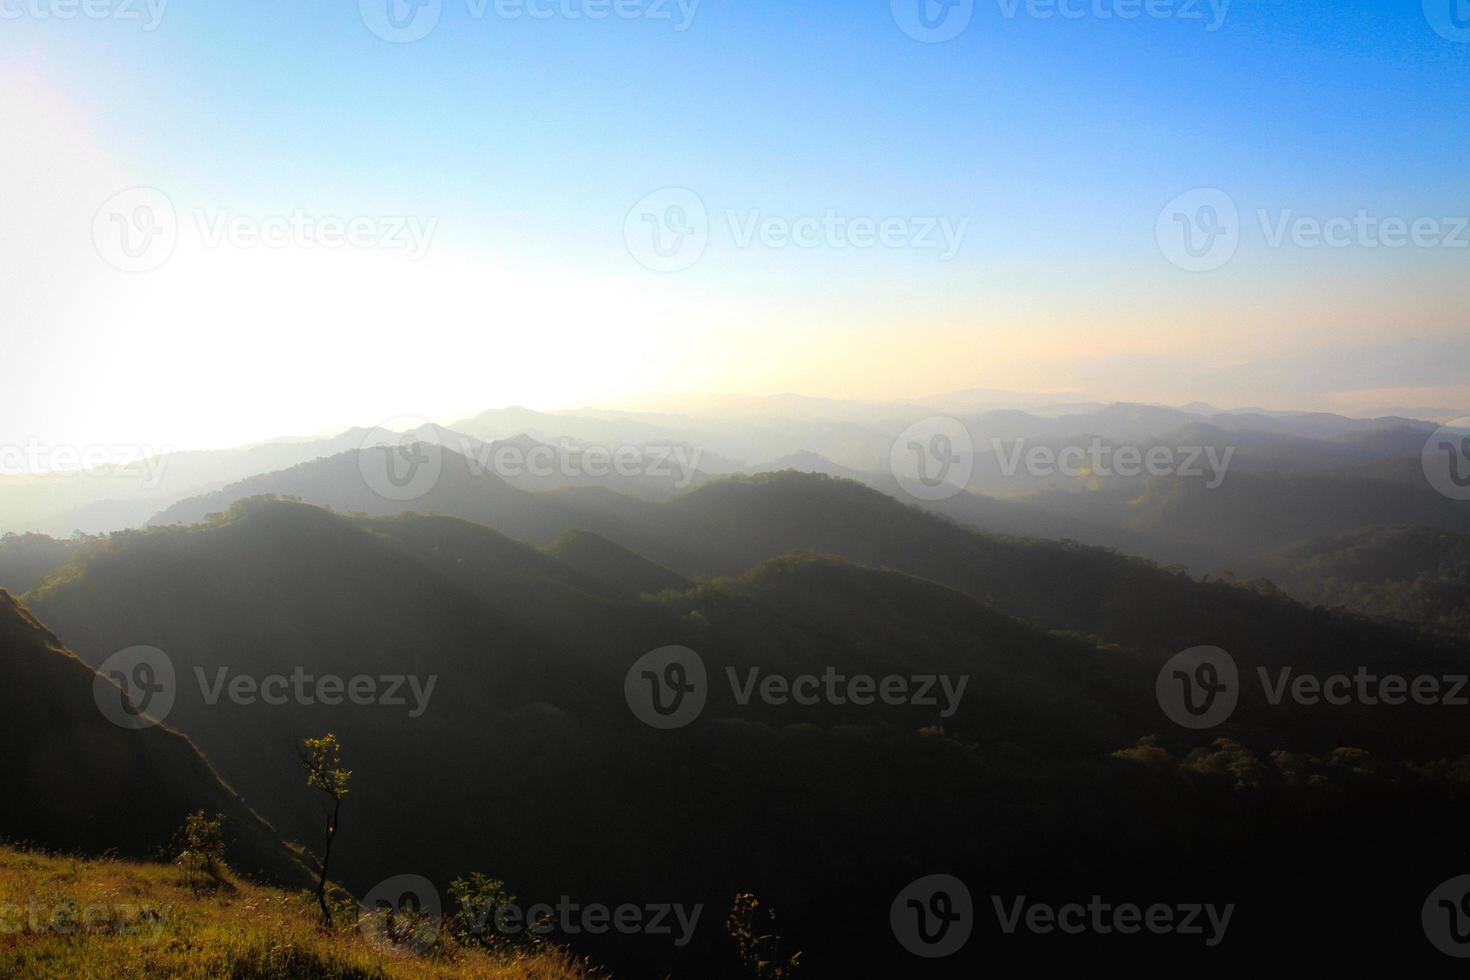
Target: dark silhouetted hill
{"type": "Point", "coordinates": [74, 780]}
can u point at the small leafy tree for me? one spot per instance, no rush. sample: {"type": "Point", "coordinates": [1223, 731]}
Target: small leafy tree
{"type": "Point", "coordinates": [761, 950]}
{"type": "Point", "coordinates": [478, 900]}
{"type": "Point", "coordinates": [322, 759]}
{"type": "Point", "coordinates": [199, 849]}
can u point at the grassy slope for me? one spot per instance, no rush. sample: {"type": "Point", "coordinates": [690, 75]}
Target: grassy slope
{"type": "Point", "coordinates": [68, 917]}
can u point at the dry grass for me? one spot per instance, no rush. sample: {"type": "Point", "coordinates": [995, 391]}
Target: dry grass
{"type": "Point", "coordinates": [88, 918]}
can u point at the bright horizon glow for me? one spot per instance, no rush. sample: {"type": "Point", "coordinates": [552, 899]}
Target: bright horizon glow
{"type": "Point", "coordinates": [528, 142]}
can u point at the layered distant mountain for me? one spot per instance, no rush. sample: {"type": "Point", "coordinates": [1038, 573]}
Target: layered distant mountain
{"type": "Point", "coordinates": [1240, 524]}
{"type": "Point", "coordinates": [1259, 480]}
{"type": "Point", "coordinates": [126, 495]}
{"type": "Point", "coordinates": [734, 435]}
{"type": "Point", "coordinates": [460, 489]}
{"type": "Point", "coordinates": [1290, 479]}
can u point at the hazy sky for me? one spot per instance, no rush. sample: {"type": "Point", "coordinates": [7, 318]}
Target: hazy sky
{"type": "Point", "coordinates": [1026, 175]}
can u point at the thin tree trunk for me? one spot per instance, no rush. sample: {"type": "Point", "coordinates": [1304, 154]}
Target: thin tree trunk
{"type": "Point", "coordinates": [321, 885]}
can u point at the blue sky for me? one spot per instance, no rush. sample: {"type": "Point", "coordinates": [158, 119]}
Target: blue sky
{"type": "Point", "coordinates": [1026, 119]}
{"type": "Point", "coordinates": [1058, 140]}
